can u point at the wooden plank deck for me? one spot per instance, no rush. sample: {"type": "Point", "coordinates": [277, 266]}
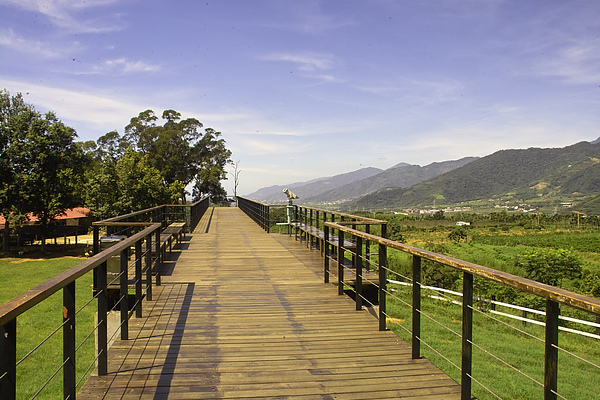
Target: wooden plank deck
{"type": "Point", "coordinates": [241, 316]}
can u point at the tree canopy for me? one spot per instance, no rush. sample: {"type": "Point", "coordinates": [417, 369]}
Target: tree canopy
{"type": "Point", "coordinates": [40, 163]}
{"type": "Point", "coordinates": [152, 163]}
{"type": "Point", "coordinates": [43, 170]}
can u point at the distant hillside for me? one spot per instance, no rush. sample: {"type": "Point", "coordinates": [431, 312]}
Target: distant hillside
{"type": "Point", "coordinates": [400, 176]}
{"type": "Point", "coordinates": [274, 194]}
{"type": "Point", "coordinates": [523, 174]}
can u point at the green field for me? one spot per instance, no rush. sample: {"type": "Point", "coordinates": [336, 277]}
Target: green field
{"type": "Point", "coordinates": [577, 380]}
{"type": "Point", "coordinates": [499, 246]}
{"type": "Point", "coordinates": [18, 275]}
{"type": "Point", "coordinates": [496, 244]}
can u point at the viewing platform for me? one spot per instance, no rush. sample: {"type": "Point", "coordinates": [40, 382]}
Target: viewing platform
{"type": "Point", "coordinates": [242, 313]}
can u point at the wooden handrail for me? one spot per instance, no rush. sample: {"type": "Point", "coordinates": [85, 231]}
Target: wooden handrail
{"type": "Point", "coordinates": [366, 220]}
{"type": "Point", "coordinates": [133, 214]}
{"type": "Point", "coordinates": [559, 295]}
{"type": "Point", "coordinates": [13, 308]}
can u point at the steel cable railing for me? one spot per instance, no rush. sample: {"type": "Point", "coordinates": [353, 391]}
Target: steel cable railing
{"type": "Point", "coordinates": [573, 299]}
{"type": "Point", "coordinates": [338, 231]}
{"type": "Point", "coordinates": [12, 309]}
{"type": "Point", "coordinates": [143, 229]}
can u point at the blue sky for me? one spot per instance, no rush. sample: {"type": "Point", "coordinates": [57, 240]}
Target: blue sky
{"type": "Point", "coordinates": [306, 89]}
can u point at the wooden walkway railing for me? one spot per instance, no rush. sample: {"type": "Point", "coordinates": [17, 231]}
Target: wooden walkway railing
{"type": "Point", "coordinates": [239, 315]}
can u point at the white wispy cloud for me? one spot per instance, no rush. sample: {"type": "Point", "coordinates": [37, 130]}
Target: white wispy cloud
{"type": "Point", "coordinates": [15, 42]}
{"type": "Point", "coordinates": [65, 14]}
{"type": "Point", "coordinates": [421, 91]}
{"type": "Point", "coordinates": [308, 17]}
{"type": "Point", "coordinates": [124, 66]}
{"type": "Point", "coordinates": [304, 61]}
{"type": "Point", "coordinates": [90, 114]}
{"type": "Point", "coordinates": [577, 62]}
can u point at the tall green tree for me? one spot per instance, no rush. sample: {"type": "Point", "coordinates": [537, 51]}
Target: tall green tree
{"type": "Point", "coordinates": [126, 185]}
{"type": "Point", "coordinates": [140, 185]}
{"type": "Point", "coordinates": [41, 163]}
{"type": "Point", "coordinates": [180, 150]}
{"type": "Point", "coordinates": [10, 108]}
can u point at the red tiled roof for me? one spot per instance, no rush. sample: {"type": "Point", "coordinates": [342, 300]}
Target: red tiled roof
{"type": "Point", "coordinates": [77, 212]}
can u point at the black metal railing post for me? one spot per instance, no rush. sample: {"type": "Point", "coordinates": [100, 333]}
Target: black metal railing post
{"type": "Point", "coordinates": [159, 258]}
{"type": "Point", "coordinates": [467, 336]}
{"type": "Point", "coordinates": [8, 360]}
{"type": "Point", "coordinates": [358, 262]}
{"type": "Point", "coordinates": [149, 267]}
{"type": "Point", "coordinates": [309, 238]}
{"type": "Point", "coordinates": [340, 261]}
{"type": "Point", "coordinates": [124, 293]}
{"type": "Point", "coordinates": [326, 256]}
{"type": "Point", "coordinates": [367, 247]}
{"type": "Point", "coordinates": [96, 240]}
{"type": "Point", "coordinates": [551, 350]}
{"type": "Point", "coordinates": [382, 287]}
{"type": "Point", "coordinates": [69, 370]}
{"type": "Point", "coordinates": [305, 212]}
{"type": "Point", "coordinates": [102, 315]}
{"type": "Point", "coordinates": [416, 307]}
{"type": "Point", "coordinates": [138, 279]}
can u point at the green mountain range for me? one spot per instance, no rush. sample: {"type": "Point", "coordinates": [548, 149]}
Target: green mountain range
{"type": "Point", "coordinates": [571, 172]}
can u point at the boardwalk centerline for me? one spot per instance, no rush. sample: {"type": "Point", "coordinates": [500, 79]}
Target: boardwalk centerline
{"type": "Point", "coordinates": [240, 316]}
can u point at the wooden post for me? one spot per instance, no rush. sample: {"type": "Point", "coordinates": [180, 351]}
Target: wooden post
{"type": "Point", "coordinates": [416, 308]}
{"type": "Point", "coordinates": [467, 336]}
{"type": "Point", "coordinates": [551, 350]}
{"type": "Point", "coordinates": [69, 370]}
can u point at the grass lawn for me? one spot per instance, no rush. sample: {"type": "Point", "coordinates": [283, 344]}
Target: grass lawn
{"type": "Point", "coordinates": [17, 275]}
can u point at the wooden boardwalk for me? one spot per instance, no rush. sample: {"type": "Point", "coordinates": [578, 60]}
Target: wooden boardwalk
{"type": "Point", "coordinates": [244, 314]}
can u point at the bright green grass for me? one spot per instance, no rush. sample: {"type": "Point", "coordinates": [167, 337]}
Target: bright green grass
{"type": "Point", "coordinates": [577, 380]}
{"type": "Point", "coordinates": [18, 276]}
{"type": "Point", "coordinates": [584, 241]}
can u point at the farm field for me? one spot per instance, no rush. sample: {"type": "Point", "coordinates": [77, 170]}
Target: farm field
{"type": "Point", "coordinates": [502, 247]}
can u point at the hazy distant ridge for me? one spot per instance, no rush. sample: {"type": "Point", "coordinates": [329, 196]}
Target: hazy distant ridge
{"type": "Point", "coordinates": [400, 176]}
{"type": "Point", "coordinates": [274, 194]}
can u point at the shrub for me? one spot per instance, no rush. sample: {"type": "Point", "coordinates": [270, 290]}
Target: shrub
{"type": "Point", "coordinates": [550, 266]}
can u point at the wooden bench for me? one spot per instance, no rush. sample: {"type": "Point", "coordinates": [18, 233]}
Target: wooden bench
{"type": "Point", "coordinates": [172, 232]}
{"type": "Point", "coordinates": [316, 233]}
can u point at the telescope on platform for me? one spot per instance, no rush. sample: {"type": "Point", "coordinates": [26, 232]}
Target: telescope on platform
{"type": "Point", "coordinates": [290, 195]}
{"type": "Point", "coordinates": [290, 207]}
